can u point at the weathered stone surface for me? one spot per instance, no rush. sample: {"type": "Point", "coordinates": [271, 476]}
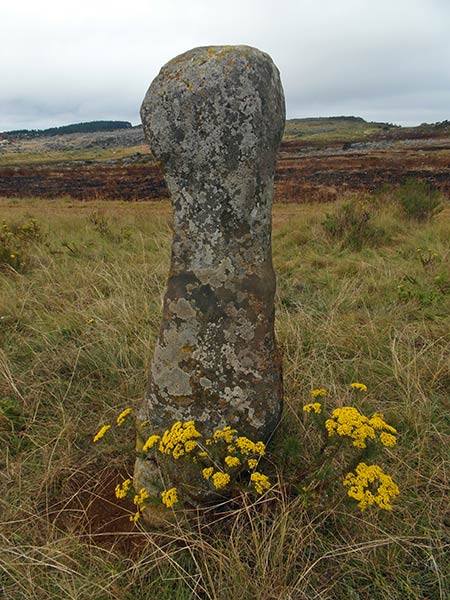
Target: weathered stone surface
{"type": "Point", "coordinates": [214, 117]}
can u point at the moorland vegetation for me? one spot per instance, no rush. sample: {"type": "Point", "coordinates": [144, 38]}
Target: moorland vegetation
{"type": "Point", "coordinates": [362, 296]}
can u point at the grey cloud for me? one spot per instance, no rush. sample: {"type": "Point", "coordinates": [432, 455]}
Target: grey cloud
{"type": "Point", "coordinates": [381, 60]}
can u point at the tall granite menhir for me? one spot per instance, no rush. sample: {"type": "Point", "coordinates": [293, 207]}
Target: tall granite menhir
{"type": "Point", "coordinates": [214, 118]}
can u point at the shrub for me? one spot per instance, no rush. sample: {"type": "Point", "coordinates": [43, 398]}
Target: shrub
{"type": "Point", "coordinates": [418, 200]}
{"type": "Point", "coordinates": [351, 223]}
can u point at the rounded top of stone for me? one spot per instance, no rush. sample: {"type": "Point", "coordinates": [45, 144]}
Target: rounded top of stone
{"type": "Point", "coordinates": [220, 105]}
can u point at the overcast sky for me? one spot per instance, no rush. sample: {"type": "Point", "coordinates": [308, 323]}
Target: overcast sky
{"type": "Point", "coordinates": [67, 61]}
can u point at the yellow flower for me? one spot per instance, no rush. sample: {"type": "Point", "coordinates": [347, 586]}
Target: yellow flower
{"type": "Point", "coordinates": [226, 434]}
{"type": "Point", "coordinates": [202, 454]}
{"type": "Point", "coordinates": [313, 407]}
{"type": "Point", "coordinates": [260, 448]}
{"type": "Point", "coordinates": [377, 421]}
{"type": "Point", "coordinates": [252, 463]}
{"type": "Point", "coordinates": [348, 421]}
{"type": "Point", "coordinates": [178, 439]}
{"type": "Point", "coordinates": [260, 481]}
{"type": "Point", "coordinates": [12, 256]}
{"type": "Point", "coordinates": [370, 485]}
{"type": "Point", "coordinates": [123, 415]}
{"type": "Point", "coordinates": [135, 517]}
{"type": "Point", "coordinates": [387, 439]}
{"type": "Point", "coordinates": [169, 497]}
{"type": "Point", "coordinates": [151, 441]}
{"type": "Point", "coordinates": [220, 480]}
{"type": "Point", "coordinates": [246, 446]}
{"type": "Point", "coordinates": [101, 432]}
{"type": "Point", "coordinates": [232, 461]}
{"type": "Point", "coordinates": [90, 321]}
{"type": "Point", "coordinates": [122, 489]}
{"type": "Point", "coordinates": [190, 445]}
{"type": "Point", "coordinates": [318, 392]}
{"type": "Point", "coordinates": [359, 386]}
{"type": "Point", "coordinates": [140, 497]}
{"type": "Point", "coordinates": [207, 472]}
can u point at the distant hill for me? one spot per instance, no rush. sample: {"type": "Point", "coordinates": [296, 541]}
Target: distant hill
{"type": "Point", "coordinates": [88, 127]}
{"type": "Point", "coordinates": [340, 128]}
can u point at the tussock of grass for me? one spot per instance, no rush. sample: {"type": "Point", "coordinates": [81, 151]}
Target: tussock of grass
{"type": "Point", "coordinates": [77, 329]}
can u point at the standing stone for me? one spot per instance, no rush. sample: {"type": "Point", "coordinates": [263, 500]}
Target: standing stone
{"type": "Point", "coordinates": [214, 118]}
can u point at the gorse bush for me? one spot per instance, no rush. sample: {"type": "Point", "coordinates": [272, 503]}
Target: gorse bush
{"type": "Point", "coordinates": [352, 224]}
{"type": "Point", "coordinates": [418, 200]}
{"type": "Point", "coordinates": [228, 463]}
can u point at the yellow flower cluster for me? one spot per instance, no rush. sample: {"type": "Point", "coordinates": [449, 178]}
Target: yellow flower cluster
{"type": "Point", "coordinates": [123, 415]}
{"type": "Point", "coordinates": [232, 461]}
{"type": "Point", "coordinates": [260, 481]}
{"type": "Point", "coordinates": [101, 432]}
{"type": "Point", "coordinates": [179, 439]}
{"type": "Point", "coordinates": [246, 446]}
{"type": "Point", "coordinates": [139, 499]}
{"type": "Point", "coordinates": [227, 434]}
{"type": "Point", "coordinates": [313, 407]}
{"type": "Point", "coordinates": [348, 421]}
{"type": "Point", "coordinates": [370, 485]}
{"type": "Point", "coordinates": [359, 386]}
{"type": "Point", "coordinates": [183, 439]}
{"type": "Point", "coordinates": [319, 392]}
{"type": "Point", "coordinates": [207, 472]}
{"type": "Point", "coordinates": [151, 441]}
{"type": "Point", "coordinates": [220, 480]}
{"type": "Point", "coordinates": [169, 497]}
{"type": "Point", "coordinates": [122, 489]}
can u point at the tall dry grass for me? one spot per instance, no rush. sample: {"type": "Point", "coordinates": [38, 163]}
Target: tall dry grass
{"type": "Point", "coordinates": [77, 328]}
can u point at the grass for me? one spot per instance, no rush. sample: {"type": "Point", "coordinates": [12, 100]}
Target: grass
{"type": "Point", "coordinates": [341, 317]}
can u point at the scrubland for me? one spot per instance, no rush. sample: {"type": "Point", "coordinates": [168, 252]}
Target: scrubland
{"type": "Point", "coordinates": [80, 307]}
